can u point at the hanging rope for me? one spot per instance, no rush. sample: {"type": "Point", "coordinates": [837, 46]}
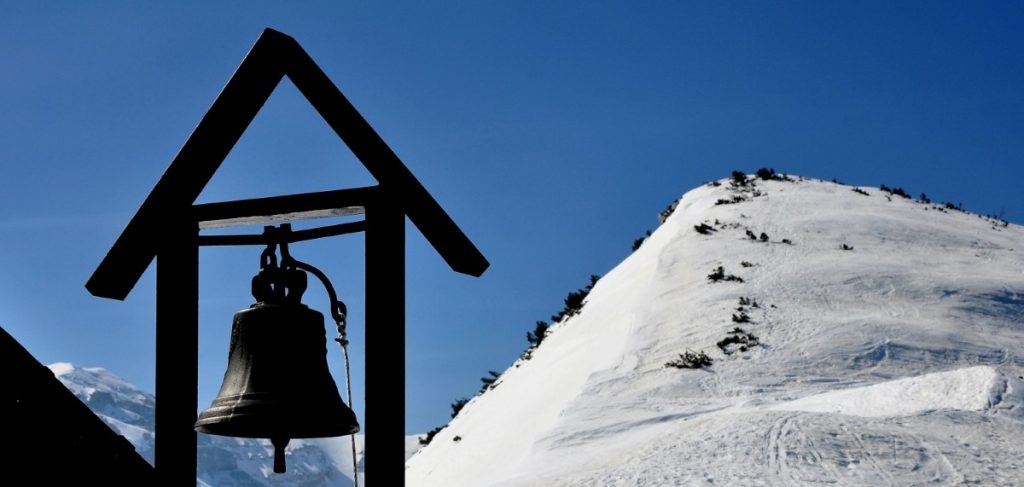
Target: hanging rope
{"type": "Point", "coordinates": [343, 341]}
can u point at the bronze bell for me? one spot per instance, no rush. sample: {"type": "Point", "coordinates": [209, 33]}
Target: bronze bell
{"type": "Point", "coordinates": [277, 384]}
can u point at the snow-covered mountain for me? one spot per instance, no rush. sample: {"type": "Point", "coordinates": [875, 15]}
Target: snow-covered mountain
{"type": "Point", "coordinates": [223, 462]}
{"type": "Point", "coordinates": [857, 337]}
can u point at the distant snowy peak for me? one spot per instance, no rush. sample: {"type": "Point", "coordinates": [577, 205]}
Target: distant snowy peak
{"type": "Point", "coordinates": [852, 336]}
{"type": "Point", "coordinates": [125, 408]}
{"type": "Point", "coordinates": [90, 380]}
{"type": "Point", "coordinates": [222, 461]}
{"type": "Point", "coordinates": [93, 379]}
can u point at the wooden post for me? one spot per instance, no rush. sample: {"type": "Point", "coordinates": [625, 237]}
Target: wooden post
{"type": "Point", "coordinates": [384, 417]}
{"type": "Point", "coordinates": [177, 355]}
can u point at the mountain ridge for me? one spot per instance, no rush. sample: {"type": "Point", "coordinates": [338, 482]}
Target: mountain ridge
{"type": "Point", "coordinates": [857, 289]}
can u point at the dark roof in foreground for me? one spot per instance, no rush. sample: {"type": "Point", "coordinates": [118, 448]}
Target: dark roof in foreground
{"type": "Point", "coordinates": [52, 438]}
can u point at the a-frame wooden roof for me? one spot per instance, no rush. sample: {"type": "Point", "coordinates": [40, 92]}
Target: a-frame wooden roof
{"type": "Point", "coordinates": [274, 56]}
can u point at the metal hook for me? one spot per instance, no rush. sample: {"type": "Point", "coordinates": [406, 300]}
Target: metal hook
{"type": "Point", "coordinates": [268, 259]}
{"type": "Point", "coordinates": [283, 233]}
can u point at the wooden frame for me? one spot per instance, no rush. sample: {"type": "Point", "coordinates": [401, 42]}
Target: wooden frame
{"type": "Point", "coordinates": [166, 227]}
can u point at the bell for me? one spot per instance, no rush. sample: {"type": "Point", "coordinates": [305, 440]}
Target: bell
{"type": "Point", "coordinates": [277, 384]}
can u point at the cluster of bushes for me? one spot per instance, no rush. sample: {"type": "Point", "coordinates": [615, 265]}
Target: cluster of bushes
{"type": "Point", "coordinates": [943, 207]}
{"type": "Point", "coordinates": [425, 440]}
{"type": "Point", "coordinates": [736, 198]}
{"type": "Point", "coordinates": [751, 236]}
{"type": "Point", "coordinates": [662, 217]}
{"type": "Point", "coordinates": [488, 381]}
{"type": "Point", "coordinates": [996, 221]}
{"type": "Point", "coordinates": [574, 302]}
{"type": "Point", "coordinates": [745, 301]}
{"type": "Point", "coordinates": [894, 191]}
{"type": "Point", "coordinates": [640, 241]}
{"type": "Point", "coordinates": [667, 212]}
{"type": "Point", "coordinates": [690, 360]}
{"type": "Point", "coordinates": [738, 179]}
{"type": "Point", "coordinates": [704, 229]}
{"type": "Point", "coordinates": [922, 199]}
{"type": "Point", "coordinates": [456, 407]}
{"type": "Point", "coordinates": [737, 340]}
{"type": "Point", "coordinates": [769, 174]}
{"type": "Point", "coordinates": [540, 330]}
{"type": "Point", "coordinates": [719, 274]}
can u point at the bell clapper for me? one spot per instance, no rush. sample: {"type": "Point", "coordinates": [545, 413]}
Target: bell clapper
{"type": "Point", "coordinates": [279, 443]}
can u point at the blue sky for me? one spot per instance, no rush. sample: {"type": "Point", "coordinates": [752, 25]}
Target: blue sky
{"type": "Point", "coordinates": [552, 132]}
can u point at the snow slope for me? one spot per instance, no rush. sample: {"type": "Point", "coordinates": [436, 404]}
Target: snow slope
{"type": "Point", "coordinates": [894, 361]}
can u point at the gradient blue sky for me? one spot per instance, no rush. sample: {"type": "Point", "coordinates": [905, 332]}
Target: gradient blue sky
{"type": "Point", "coordinates": [552, 132]}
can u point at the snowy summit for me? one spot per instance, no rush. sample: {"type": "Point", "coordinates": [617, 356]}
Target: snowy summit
{"type": "Point", "coordinates": [773, 331]}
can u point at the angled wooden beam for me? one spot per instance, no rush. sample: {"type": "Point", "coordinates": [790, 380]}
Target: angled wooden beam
{"type": "Point", "coordinates": [193, 166]}
{"type": "Point", "coordinates": [423, 210]}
